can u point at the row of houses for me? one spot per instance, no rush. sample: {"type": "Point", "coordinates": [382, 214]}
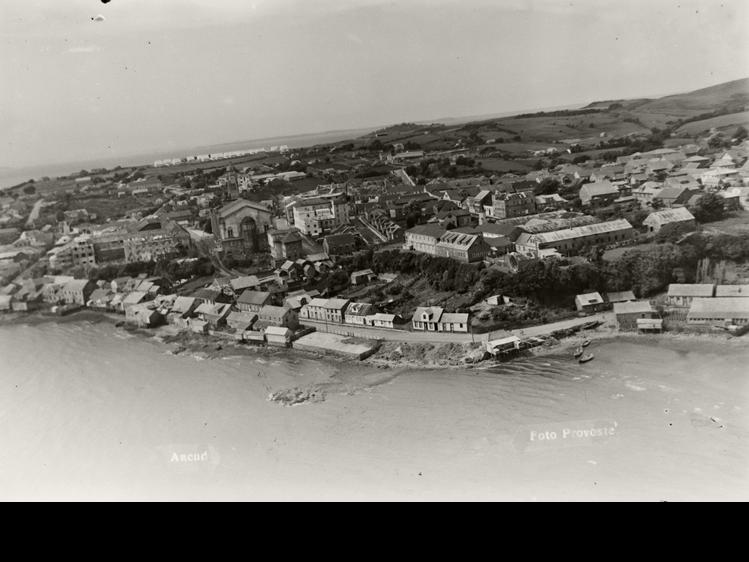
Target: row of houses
{"type": "Point", "coordinates": [343, 311]}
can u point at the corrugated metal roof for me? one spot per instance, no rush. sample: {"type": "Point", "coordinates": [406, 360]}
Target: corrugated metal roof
{"type": "Point", "coordinates": [727, 307]}
{"type": "Point", "coordinates": [583, 231]}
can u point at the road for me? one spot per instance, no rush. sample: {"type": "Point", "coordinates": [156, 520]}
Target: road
{"type": "Point", "coordinates": [441, 337]}
{"type": "Point", "coordinates": [34, 213]}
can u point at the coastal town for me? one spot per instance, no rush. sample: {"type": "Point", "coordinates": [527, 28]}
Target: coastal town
{"type": "Point", "coordinates": [339, 248]}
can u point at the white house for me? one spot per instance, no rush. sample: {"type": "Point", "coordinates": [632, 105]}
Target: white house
{"type": "Point", "coordinates": [427, 318]}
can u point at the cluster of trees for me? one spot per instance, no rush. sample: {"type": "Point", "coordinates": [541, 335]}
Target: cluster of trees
{"type": "Point", "coordinates": [709, 208]}
{"type": "Point", "coordinates": [170, 269]}
{"type": "Point", "coordinates": [442, 274]}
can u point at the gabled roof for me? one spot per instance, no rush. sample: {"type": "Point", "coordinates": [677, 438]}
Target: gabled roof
{"type": "Point", "coordinates": [454, 318]}
{"type": "Point", "coordinates": [276, 312]}
{"type": "Point", "coordinates": [431, 230]}
{"type": "Point", "coordinates": [666, 216]}
{"type": "Point", "coordinates": [598, 188]}
{"type": "Point", "coordinates": [136, 297]}
{"type": "Point", "coordinates": [359, 309]}
{"type": "Point", "coordinates": [434, 313]}
{"type": "Point", "coordinates": [633, 307]}
{"type": "Point", "coordinates": [240, 283]}
{"type": "Point", "coordinates": [240, 204]}
{"type": "Point", "coordinates": [76, 285]}
{"type": "Point", "coordinates": [621, 296]}
{"type": "Point", "coordinates": [732, 291]}
{"type": "Point", "coordinates": [258, 298]}
{"type": "Point", "coordinates": [727, 307]}
{"type": "Point", "coordinates": [336, 304]}
{"type": "Point", "coordinates": [183, 305]}
{"type": "Point", "coordinates": [590, 298]}
{"type": "Point", "coordinates": [690, 290]}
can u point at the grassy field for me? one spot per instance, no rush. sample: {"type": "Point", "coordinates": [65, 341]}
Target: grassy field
{"type": "Point", "coordinates": [736, 224]}
{"type": "Point", "coordinates": [730, 121]}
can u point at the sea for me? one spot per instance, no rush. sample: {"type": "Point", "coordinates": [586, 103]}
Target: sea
{"type": "Point", "coordinates": [11, 176]}
{"type": "Point", "coordinates": [89, 411]}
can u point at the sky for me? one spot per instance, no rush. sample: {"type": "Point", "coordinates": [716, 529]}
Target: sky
{"type": "Point", "coordinates": [159, 75]}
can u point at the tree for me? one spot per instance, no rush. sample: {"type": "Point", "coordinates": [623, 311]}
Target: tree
{"type": "Point", "coordinates": [709, 208]}
{"type": "Point", "coordinates": [741, 133]}
{"type": "Point", "coordinates": [29, 189]}
{"type": "Point", "coordinates": [547, 187]}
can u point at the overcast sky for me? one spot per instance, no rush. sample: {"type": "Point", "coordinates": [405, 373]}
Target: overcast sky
{"type": "Point", "coordinates": [167, 74]}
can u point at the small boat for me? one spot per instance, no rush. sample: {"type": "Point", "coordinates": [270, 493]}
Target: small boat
{"type": "Point", "coordinates": [587, 357]}
{"type": "Point", "coordinates": [592, 325]}
{"type": "Point", "coordinates": [578, 353]}
{"type": "Point", "coordinates": [586, 343]}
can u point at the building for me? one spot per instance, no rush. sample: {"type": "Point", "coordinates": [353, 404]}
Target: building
{"type": "Point", "coordinates": [669, 219]}
{"type": "Point", "coordinates": [154, 239]}
{"type": "Point", "coordinates": [358, 313]}
{"type": "Point", "coordinates": [599, 194]}
{"type": "Point", "coordinates": [676, 195]}
{"type": "Point", "coordinates": [339, 244]}
{"type": "Point", "coordinates": [6, 302]}
{"type": "Point", "coordinates": [722, 311]}
{"type": "Point", "coordinates": [628, 313]}
{"type": "Point", "coordinates": [325, 310]}
{"type": "Point", "coordinates": [363, 277]}
{"type": "Point", "coordinates": [462, 246]}
{"type": "Point", "coordinates": [182, 309]}
{"type": "Point", "coordinates": [682, 295]}
{"type": "Point", "coordinates": [278, 336]}
{"type": "Point", "coordinates": [285, 244]}
{"type": "Point", "coordinates": [76, 253]}
{"type": "Point", "coordinates": [277, 316]}
{"type": "Point", "coordinates": [646, 192]}
{"type": "Point", "coordinates": [511, 205]}
{"type": "Point", "coordinates": [253, 301]}
{"type": "Point", "coordinates": [77, 291]}
{"type": "Point", "coordinates": [590, 302]}
{"type": "Point", "coordinates": [381, 320]}
{"type": "Point", "coordinates": [317, 216]}
{"type": "Point", "coordinates": [424, 238]}
{"type": "Point", "coordinates": [143, 316]}
{"type": "Point", "coordinates": [453, 322]}
{"type": "Point", "coordinates": [732, 291]}
{"type": "Point", "coordinates": [147, 240]}
{"type": "Point", "coordinates": [241, 321]}
{"type": "Point", "coordinates": [569, 241]}
{"type": "Point", "coordinates": [550, 202]}
{"type": "Point", "coordinates": [621, 296]}
{"type": "Point", "coordinates": [214, 315]}
{"type": "Point", "coordinates": [100, 299]}
{"type": "Point", "coordinates": [427, 318]}
{"type": "Point", "coordinates": [241, 228]}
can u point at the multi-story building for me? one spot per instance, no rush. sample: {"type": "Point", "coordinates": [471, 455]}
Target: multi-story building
{"type": "Point", "coordinates": [285, 244]}
{"type": "Point", "coordinates": [154, 239]}
{"type": "Point", "coordinates": [462, 246]}
{"type": "Point", "coordinates": [77, 252]}
{"type": "Point", "coordinates": [511, 205]}
{"type": "Point", "coordinates": [424, 238]}
{"type": "Point", "coordinates": [319, 215]}
{"type": "Point", "coordinates": [325, 310]}
{"type": "Point", "coordinates": [241, 227]}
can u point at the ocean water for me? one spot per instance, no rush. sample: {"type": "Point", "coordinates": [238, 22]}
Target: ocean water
{"type": "Point", "coordinates": [88, 411]}
{"type": "Point", "coordinates": [10, 176]}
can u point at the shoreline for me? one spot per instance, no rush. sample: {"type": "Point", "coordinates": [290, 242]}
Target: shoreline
{"type": "Point", "coordinates": [391, 355]}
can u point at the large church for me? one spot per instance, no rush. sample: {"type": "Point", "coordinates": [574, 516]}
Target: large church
{"type": "Point", "coordinates": [240, 228]}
